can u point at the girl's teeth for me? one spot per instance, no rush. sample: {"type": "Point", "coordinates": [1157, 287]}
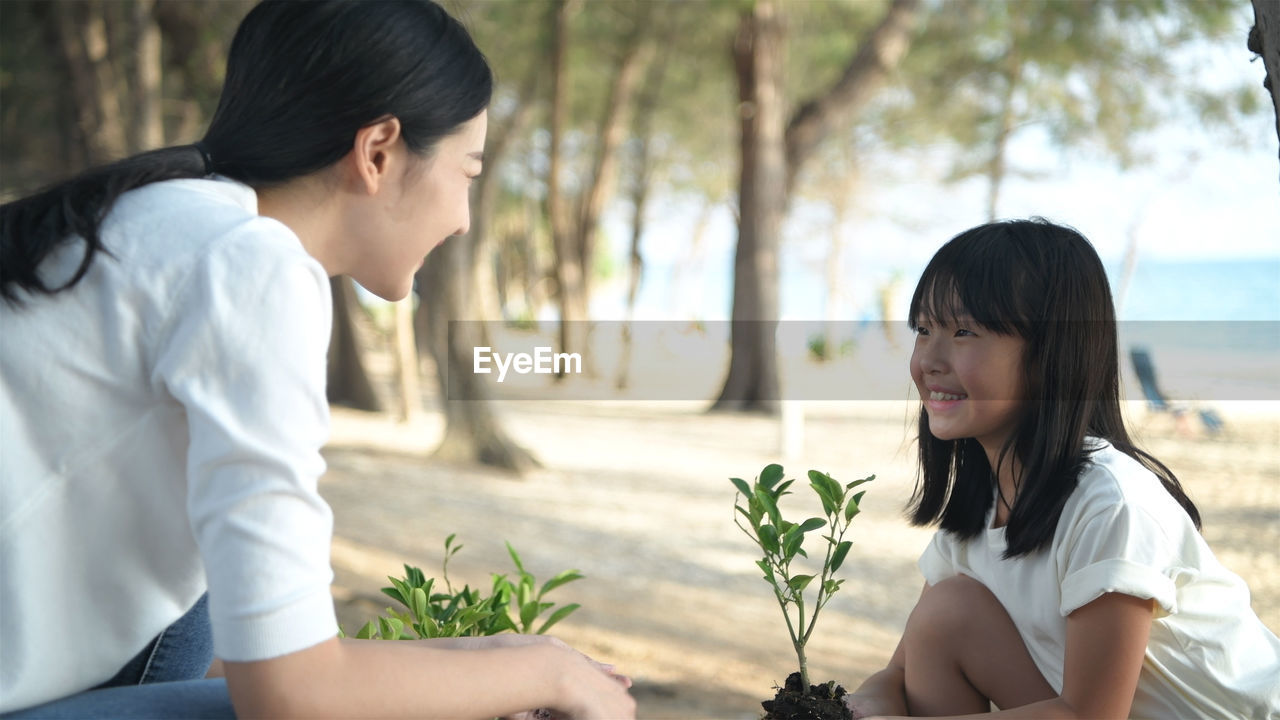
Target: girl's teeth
{"type": "Point", "coordinates": [945, 396]}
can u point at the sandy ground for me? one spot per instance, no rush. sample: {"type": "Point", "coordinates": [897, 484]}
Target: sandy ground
{"type": "Point", "coordinates": [636, 496]}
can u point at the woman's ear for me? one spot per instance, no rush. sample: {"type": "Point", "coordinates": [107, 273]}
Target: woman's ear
{"type": "Point", "coordinates": [375, 150]}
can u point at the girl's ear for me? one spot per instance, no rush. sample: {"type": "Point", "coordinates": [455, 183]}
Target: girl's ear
{"type": "Point", "coordinates": [373, 153]}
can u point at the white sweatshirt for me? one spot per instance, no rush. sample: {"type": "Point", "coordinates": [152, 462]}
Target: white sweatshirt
{"type": "Point", "coordinates": [160, 428]}
{"type": "Point", "coordinates": [1208, 656]}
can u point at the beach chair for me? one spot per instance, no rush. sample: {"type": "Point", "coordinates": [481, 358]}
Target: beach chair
{"type": "Point", "coordinates": [1145, 369]}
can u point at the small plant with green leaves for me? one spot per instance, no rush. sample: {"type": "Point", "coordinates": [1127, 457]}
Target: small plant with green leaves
{"type": "Point", "coordinates": [782, 542]}
{"type": "Point", "coordinates": [512, 605]}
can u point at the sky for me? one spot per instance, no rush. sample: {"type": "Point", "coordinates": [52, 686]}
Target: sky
{"type": "Point", "coordinates": [1204, 197]}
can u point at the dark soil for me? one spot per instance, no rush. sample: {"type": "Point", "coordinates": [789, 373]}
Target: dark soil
{"type": "Point", "coordinates": [823, 702]}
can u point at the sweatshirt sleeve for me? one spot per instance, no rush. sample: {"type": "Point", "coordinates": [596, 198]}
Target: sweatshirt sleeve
{"type": "Point", "coordinates": [245, 356]}
{"type": "Point", "coordinates": [1121, 548]}
{"type": "Point", "coordinates": [936, 563]}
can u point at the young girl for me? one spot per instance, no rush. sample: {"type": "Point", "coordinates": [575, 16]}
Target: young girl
{"type": "Point", "coordinates": [162, 392]}
{"type": "Point", "coordinates": [1068, 578]}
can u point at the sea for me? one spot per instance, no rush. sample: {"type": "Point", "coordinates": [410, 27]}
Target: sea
{"type": "Point", "coordinates": [1211, 328]}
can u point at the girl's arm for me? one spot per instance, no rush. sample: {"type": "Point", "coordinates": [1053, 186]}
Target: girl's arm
{"type": "Point", "coordinates": [1106, 642]}
{"type": "Point", "coordinates": [377, 678]}
{"type": "Point", "coordinates": [883, 693]}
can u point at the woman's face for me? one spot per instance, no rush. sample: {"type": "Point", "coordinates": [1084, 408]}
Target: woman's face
{"type": "Point", "coordinates": [970, 380]}
{"type": "Point", "coordinates": [426, 205]}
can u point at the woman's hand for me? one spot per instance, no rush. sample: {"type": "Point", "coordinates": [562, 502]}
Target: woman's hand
{"type": "Point", "coordinates": [592, 689]}
{"type": "Point", "coordinates": [518, 640]}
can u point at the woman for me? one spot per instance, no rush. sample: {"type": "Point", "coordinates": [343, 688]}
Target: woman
{"type": "Point", "coordinates": [162, 391]}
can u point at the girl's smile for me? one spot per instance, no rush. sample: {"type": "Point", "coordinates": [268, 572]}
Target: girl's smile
{"type": "Point", "coordinates": [969, 379]}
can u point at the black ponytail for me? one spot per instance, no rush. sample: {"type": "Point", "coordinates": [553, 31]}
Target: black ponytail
{"type": "Point", "coordinates": [302, 79]}
{"type": "Point", "coordinates": [33, 227]}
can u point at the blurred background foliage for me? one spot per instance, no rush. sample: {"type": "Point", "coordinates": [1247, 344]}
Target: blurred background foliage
{"type": "Point", "coordinates": [622, 106]}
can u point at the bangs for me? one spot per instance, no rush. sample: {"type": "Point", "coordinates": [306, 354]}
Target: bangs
{"type": "Point", "coordinates": [978, 279]}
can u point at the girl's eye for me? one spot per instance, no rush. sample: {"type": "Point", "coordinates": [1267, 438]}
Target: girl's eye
{"type": "Point", "coordinates": [922, 330]}
{"type": "Point", "coordinates": [965, 333]}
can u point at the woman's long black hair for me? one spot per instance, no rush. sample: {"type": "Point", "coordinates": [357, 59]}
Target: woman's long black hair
{"type": "Point", "coordinates": [302, 79]}
{"type": "Point", "coordinates": [1046, 284]}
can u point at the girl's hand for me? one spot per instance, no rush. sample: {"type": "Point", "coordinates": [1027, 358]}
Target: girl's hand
{"type": "Point", "coordinates": [870, 708]}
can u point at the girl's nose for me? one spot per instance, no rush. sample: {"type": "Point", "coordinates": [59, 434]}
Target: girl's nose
{"type": "Point", "coordinates": [931, 356]}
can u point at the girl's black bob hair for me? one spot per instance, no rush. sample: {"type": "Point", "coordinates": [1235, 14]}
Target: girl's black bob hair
{"type": "Point", "coordinates": [1045, 284]}
{"type": "Point", "coordinates": [302, 79]}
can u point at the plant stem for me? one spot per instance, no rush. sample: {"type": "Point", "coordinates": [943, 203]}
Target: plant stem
{"type": "Point", "coordinates": [804, 668]}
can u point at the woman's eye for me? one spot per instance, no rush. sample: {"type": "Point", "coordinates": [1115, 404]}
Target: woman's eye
{"type": "Point", "coordinates": [965, 333]}
{"type": "Point", "coordinates": [922, 330]}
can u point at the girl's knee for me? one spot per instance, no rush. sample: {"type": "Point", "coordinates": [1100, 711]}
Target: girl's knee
{"type": "Point", "coordinates": [952, 604]}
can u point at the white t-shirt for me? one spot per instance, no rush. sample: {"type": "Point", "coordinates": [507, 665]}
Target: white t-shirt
{"type": "Point", "coordinates": [160, 428]}
{"type": "Point", "coordinates": [1209, 656]}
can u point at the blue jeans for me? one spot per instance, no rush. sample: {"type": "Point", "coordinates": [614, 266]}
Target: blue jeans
{"type": "Point", "coordinates": [164, 681]}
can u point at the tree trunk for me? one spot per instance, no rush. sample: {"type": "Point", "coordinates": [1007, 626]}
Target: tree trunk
{"type": "Point", "coordinates": [480, 240]}
{"type": "Point", "coordinates": [406, 352]}
{"type": "Point", "coordinates": [568, 264]}
{"type": "Point", "coordinates": [879, 52]}
{"type": "Point", "coordinates": [147, 129]}
{"type": "Point", "coordinates": [770, 163]}
{"type": "Point", "coordinates": [613, 127]}
{"type": "Point", "coordinates": [1264, 39]}
{"type": "Point", "coordinates": [759, 53]}
{"type": "Point", "coordinates": [348, 381]}
{"type": "Point", "coordinates": [473, 433]}
{"type": "Point", "coordinates": [82, 36]}
{"type": "Point", "coordinates": [642, 183]}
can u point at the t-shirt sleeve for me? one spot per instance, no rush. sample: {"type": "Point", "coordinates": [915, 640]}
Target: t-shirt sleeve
{"type": "Point", "coordinates": [936, 562]}
{"type": "Point", "coordinates": [245, 356]}
{"type": "Point", "coordinates": [1121, 548]}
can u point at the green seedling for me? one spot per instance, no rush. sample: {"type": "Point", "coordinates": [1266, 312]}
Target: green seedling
{"type": "Point", "coordinates": [431, 612]}
{"type": "Point", "coordinates": [782, 541]}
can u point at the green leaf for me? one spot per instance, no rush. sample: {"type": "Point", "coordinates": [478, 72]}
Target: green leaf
{"type": "Point", "coordinates": [567, 576]}
{"type": "Point", "coordinates": [557, 616]}
{"type": "Point", "coordinates": [799, 583]}
{"type": "Point", "coordinates": [770, 475]}
{"type": "Point", "coordinates": [524, 591]}
{"type": "Point", "coordinates": [414, 576]}
{"type": "Point", "coordinates": [367, 632]}
{"type": "Point", "coordinates": [419, 604]}
{"type": "Point", "coordinates": [837, 558]}
{"type": "Point", "coordinates": [856, 483]}
{"type": "Point", "coordinates": [792, 543]}
{"type": "Point", "coordinates": [515, 558]}
{"type": "Point", "coordinates": [782, 489]}
{"type": "Point", "coordinates": [812, 524]}
{"type": "Point", "coordinates": [769, 538]}
{"type": "Point", "coordinates": [767, 502]}
{"type": "Point", "coordinates": [742, 486]}
{"type": "Point", "coordinates": [528, 613]}
{"type": "Point", "coordinates": [768, 571]}
{"type": "Point", "coordinates": [850, 510]}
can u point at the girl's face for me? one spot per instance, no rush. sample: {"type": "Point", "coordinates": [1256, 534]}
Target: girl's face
{"type": "Point", "coordinates": [970, 380]}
